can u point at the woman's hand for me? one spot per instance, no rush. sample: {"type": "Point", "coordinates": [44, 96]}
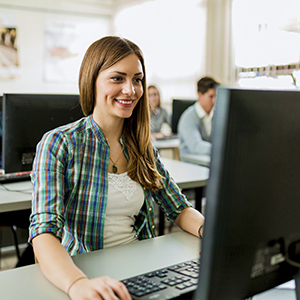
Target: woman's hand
{"type": "Point", "coordinates": [104, 288]}
{"type": "Point", "coordinates": [157, 135]}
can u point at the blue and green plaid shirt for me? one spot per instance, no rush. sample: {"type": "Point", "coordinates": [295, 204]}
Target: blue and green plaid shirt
{"type": "Point", "coordinates": [70, 182]}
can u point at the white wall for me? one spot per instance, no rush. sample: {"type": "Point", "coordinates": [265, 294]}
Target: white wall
{"type": "Point", "coordinates": [90, 22]}
{"type": "Point", "coordinates": [171, 34]}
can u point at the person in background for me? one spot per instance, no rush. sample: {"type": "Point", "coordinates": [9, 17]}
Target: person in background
{"type": "Point", "coordinates": [95, 180]}
{"type": "Point", "coordinates": [159, 115]}
{"type": "Point", "coordinates": [194, 127]}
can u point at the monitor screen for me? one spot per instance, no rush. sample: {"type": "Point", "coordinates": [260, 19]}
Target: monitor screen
{"type": "Point", "coordinates": [26, 117]}
{"type": "Point", "coordinates": [252, 229]}
{"type": "Point", "coordinates": [178, 107]}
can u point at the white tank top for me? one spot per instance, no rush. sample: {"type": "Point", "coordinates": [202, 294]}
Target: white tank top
{"type": "Point", "coordinates": [124, 201]}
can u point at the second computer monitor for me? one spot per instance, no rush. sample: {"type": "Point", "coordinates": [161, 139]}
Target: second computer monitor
{"type": "Point", "coordinates": [178, 107]}
{"type": "Point", "coordinates": [26, 117]}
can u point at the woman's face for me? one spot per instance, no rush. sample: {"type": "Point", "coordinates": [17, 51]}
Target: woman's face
{"type": "Point", "coordinates": [153, 97]}
{"type": "Point", "coordinates": [119, 88]}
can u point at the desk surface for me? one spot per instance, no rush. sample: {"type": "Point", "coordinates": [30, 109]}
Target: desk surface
{"type": "Point", "coordinates": [202, 160]}
{"type": "Point", "coordinates": [186, 175]}
{"type": "Point", "coordinates": [17, 196]}
{"type": "Point", "coordinates": [166, 143]}
{"type": "Point", "coordinates": [120, 262]}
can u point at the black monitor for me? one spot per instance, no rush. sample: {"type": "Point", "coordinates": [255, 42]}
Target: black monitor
{"type": "Point", "coordinates": [0, 132]}
{"type": "Point", "coordinates": [26, 117]}
{"type": "Point", "coordinates": [178, 107]}
{"type": "Point", "coordinates": [252, 229]}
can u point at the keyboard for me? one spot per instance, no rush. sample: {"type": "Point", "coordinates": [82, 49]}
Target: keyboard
{"type": "Point", "coordinates": [14, 177]}
{"type": "Point", "coordinates": [175, 282]}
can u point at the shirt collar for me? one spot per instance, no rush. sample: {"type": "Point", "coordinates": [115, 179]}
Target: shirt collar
{"type": "Point", "coordinates": [100, 134]}
{"type": "Point", "coordinates": [201, 112]}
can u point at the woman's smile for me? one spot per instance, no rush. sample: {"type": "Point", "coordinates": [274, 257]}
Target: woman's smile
{"type": "Point", "coordinates": [125, 102]}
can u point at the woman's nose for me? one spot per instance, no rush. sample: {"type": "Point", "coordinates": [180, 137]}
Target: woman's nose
{"type": "Point", "coordinates": [128, 88]}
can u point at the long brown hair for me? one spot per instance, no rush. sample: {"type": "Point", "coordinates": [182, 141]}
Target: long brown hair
{"type": "Point", "coordinates": [100, 56]}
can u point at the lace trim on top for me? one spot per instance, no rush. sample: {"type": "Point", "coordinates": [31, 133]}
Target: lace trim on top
{"type": "Point", "coordinates": [123, 183]}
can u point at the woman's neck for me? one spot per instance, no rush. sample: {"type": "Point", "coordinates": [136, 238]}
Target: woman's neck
{"type": "Point", "coordinates": [112, 128]}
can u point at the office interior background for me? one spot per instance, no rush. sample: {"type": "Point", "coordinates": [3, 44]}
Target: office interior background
{"type": "Point", "coordinates": [239, 42]}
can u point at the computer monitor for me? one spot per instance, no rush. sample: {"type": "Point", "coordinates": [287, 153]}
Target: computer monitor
{"type": "Point", "coordinates": [26, 117]}
{"type": "Point", "coordinates": [178, 107]}
{"type": "Point", "coordinates": [0, 132]}
{"type": "Point", "coordinates": [252, 229]}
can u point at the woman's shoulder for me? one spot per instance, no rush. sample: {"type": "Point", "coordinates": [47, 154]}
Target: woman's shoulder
{"type": "Point", "coordinates": [67, 131]}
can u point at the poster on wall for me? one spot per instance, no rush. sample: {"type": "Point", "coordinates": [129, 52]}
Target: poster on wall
{"type": "Point", "coordinates": [9, 62]}
{"type": "Point", "coordinates": [65, 45]}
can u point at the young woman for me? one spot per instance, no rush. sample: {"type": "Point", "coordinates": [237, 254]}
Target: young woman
{"type": "Point", "coordinates": [159, 115]}
{"type": "Point", "coordinates": [95, 180]}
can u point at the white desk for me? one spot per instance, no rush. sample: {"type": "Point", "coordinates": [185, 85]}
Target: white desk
{"type": "Point", "coordinates": [172, 143]}
{"type": "Point", "coordinates": [185, 175]}
{"type": "Point", "coordinates": [15, 196]}
{"type": "Point", "coordinates": [120, 262]}
{"type": "Point", "coordinates": [202, 160]}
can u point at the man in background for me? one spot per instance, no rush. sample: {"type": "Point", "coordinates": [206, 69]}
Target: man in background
{"type": "Point", "coordinates": [195, 124]}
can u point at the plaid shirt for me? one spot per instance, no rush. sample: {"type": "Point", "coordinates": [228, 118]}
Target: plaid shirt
{"type": "Point", "coordinates": [70, 182]}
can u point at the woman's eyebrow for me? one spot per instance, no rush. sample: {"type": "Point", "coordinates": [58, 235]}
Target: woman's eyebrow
{"type": "Point", "coordinates": [124, 74]}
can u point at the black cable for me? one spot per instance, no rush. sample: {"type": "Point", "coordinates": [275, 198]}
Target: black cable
{"type": "Point", "coordinates": [17, 191]}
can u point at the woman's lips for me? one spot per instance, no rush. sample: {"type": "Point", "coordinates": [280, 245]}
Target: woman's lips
{"type": "Point", "coordinates": [125, 101]}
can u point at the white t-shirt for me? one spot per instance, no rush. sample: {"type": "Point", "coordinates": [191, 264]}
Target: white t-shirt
{"type": "Point", "coordinates": [207, 119]}
{"type": "Point", "coordinates": [125, 200]}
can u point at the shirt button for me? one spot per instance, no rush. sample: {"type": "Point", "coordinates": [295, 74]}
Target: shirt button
{"type": "Point", "coordinates": [150, 209]}
{"type": "Point", "coordinates": [153, 226]}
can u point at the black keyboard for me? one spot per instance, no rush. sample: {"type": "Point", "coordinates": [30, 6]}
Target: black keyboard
{"type": "Point", "coordinates": [174, 282]}
{"type": "Point", "coordinates": [14, 177]}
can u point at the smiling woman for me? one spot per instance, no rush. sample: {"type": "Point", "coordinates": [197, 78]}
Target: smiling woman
{"type": "Point", "coordinates": [121, 89]}
{"type": "Point", "coordinates": [95, 179]}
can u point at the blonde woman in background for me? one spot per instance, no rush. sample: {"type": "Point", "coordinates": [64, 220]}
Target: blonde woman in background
{"type": "Point", "coordinates": [159, 115]}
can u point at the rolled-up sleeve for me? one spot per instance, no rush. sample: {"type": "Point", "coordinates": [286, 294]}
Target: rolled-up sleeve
{"type": "Point", "coordinates": [48, 186]}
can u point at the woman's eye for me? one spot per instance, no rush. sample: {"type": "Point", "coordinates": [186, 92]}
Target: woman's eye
{"type": "Point", "coordinates": [139, 80]}
{"type": "Point", "coordinates": [116, 78]}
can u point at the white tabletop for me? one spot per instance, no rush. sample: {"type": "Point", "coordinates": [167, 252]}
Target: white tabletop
{"type": "Point", "coordinates": [15, 196]}
{"type": "Point", "coordinates": [166, 143]}
{"type": "Point", "coordinates": [119, 262]}
{"type": "Point", "coordinates": [18, 195]}
{"type": "Point", "coordinates": [186, 175]}
{"type": "Point", "coordinates": [202, 160]}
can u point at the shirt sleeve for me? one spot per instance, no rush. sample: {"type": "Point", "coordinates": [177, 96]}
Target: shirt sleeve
{"type": "Point", "coordinates": [169, 197]}
{"type": "Point", "coordinates": [191, 137]}
{"type": "Point", "coordinates": [167, 117]}
{"type": "Point", "coordinates": [48, 186]}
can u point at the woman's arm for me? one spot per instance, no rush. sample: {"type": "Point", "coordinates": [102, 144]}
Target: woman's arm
{"type": "Point", "coordinates": [59, 268]}
{"type": "Point", "coordinates": [190, 220]}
